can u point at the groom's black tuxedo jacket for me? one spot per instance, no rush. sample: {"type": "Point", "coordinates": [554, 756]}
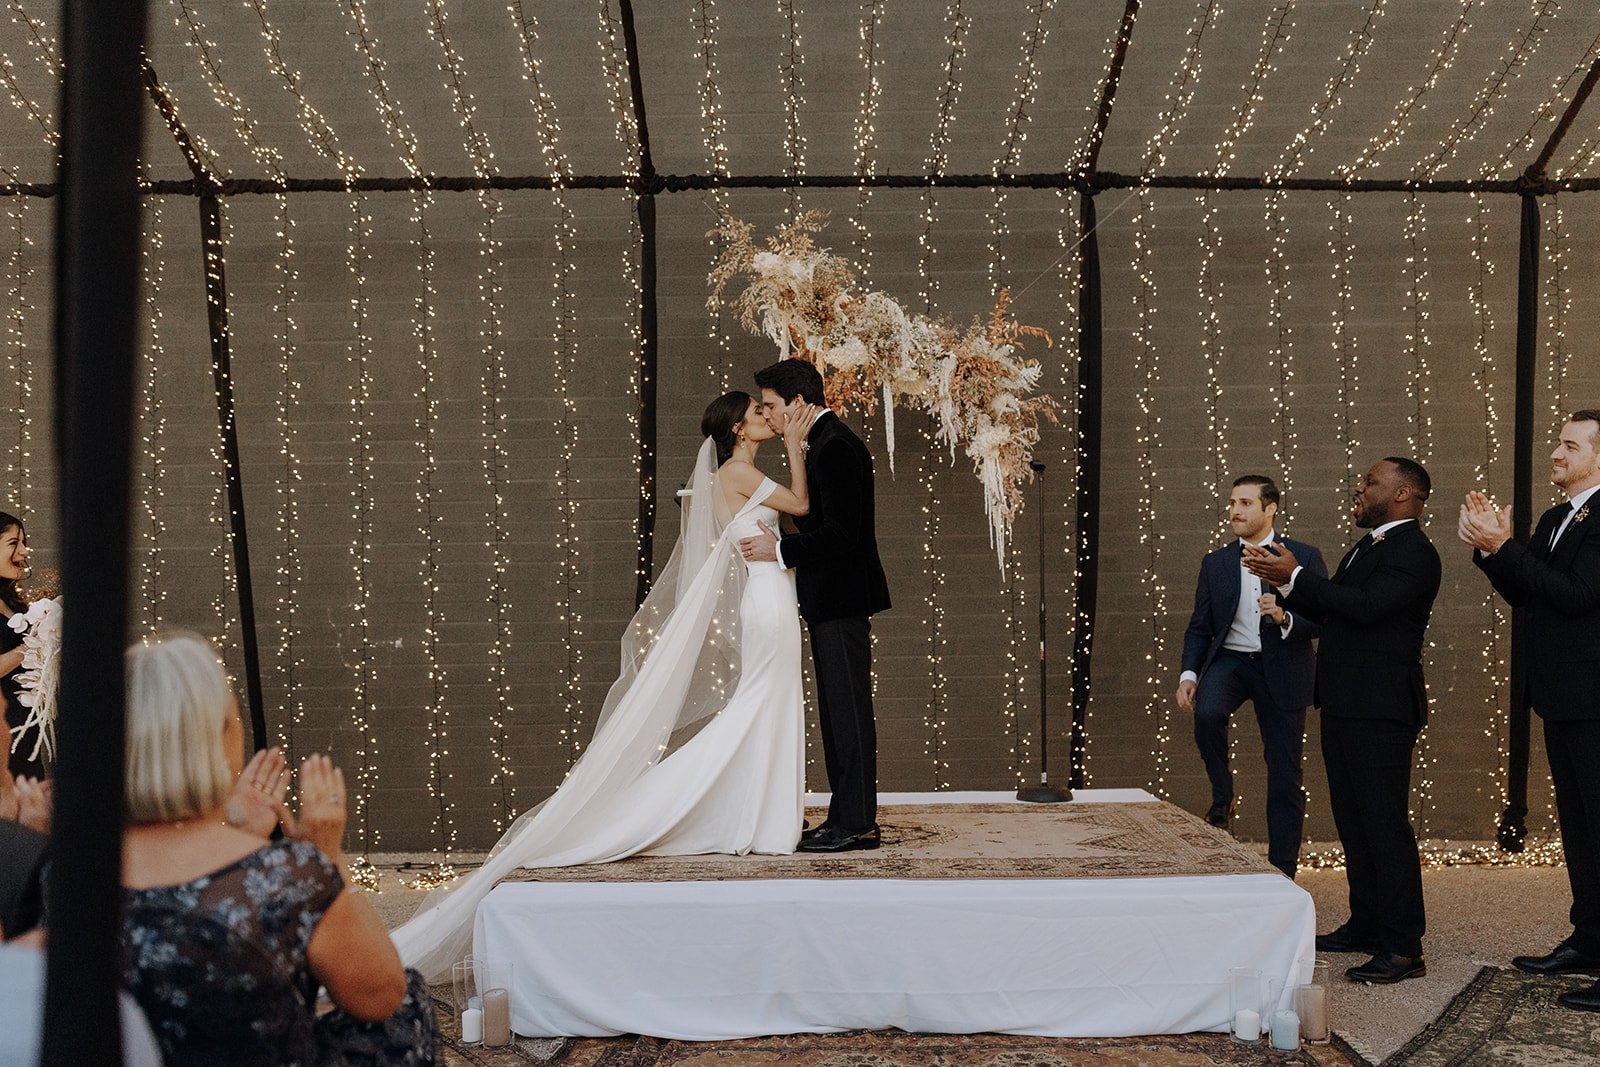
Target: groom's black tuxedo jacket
{"type": "Point", "coordinates": [835, 553]}
{"type": "Point", "coordinates": [1374, 614]}
{"type": "Point", "coordinates": [1557, 596]}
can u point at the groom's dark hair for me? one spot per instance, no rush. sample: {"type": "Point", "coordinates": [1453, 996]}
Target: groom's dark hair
{"type": "Point", "coordinates": [791, 378]}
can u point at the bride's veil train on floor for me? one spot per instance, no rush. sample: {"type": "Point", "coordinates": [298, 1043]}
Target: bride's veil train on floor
{"type": "Point", "coordinates": [690, 627]}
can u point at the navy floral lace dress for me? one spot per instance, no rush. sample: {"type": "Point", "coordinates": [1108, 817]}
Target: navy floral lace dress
{"type": "Point", "coordinates": [219, 967]}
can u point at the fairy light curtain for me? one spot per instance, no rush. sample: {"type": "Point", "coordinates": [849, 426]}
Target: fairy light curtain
{"type": "Point", "coordinates": [431, 241]}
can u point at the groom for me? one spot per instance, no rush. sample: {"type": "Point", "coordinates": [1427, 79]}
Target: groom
{"type": "Point", "coordinates": [841, 584]}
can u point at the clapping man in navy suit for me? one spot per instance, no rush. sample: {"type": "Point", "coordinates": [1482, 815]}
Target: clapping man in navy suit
{"type": "Point", "coordinates": [1553, 583]}
{"type": "Point", "coordinates": [1242, 644]}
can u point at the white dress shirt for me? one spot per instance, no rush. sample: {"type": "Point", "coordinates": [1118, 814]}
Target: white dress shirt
{"type": "Point", "coordinates": [1244, 633]}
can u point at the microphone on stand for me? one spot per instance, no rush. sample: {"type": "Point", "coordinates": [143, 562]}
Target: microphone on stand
{"type": "Point", "coordinates": [1044, 792]}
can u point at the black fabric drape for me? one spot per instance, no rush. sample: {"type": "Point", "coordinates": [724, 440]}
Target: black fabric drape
{"type": "Point", "coordinates": [1086, 558]}
{"type": "Point", "coordinates": [1513, 823]}
{"type": "Point", "coordinates": [222, 380]}
{"type": "Point", "coordinates": [97, 332]}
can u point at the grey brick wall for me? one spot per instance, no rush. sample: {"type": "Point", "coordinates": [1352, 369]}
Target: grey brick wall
{"type": "Point", "coordinates": [957, 708]}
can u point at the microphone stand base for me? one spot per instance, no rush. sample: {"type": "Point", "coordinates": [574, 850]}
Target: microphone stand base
{"type": "Point", "coordinates": [1044, 794]}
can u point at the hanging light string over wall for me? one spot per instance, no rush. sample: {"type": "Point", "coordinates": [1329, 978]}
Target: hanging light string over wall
{"type": "Point", "coordinates": [287, 566]}
{"type": "Point", "coordinates": [1418, 338]}
{"type": "Point", "coordinates": [1274, 35]}
{"type": "Point", "coordinates": [1015, 679]}
{"type": "Point", "coordinates": [937, 707]}
{"type": "Point", "coordinates": [19, 274]}
{"type": "Point", "coordinates": [866, 134]}
{"type": "Point", "coordinates": [320, 135]}
{"type": "Point", "coordinates": [614, 67]}
{"type": "Point", "coordinates": [1147, 370]}
{"type": "Point", "coordinates": [565, 349]}
{"type": "Point", "coordinates": [1216, 473]}
{"type": "Point", "coordinates": [793, 82]}
{"type": "Point", "coordinates": [1493, 661]}
{"type": "Point", "coordinates": [491, 269]}
{"type": "Point", "coordinates": [714, 135]}
{"type": "Point", "coordinates": [152, 429]}
{"type": "Point", "coordinates": [270, 160]}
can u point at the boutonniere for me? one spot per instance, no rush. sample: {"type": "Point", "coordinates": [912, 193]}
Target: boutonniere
{"type": "Point", "coordinates": [1583, 513]}
{"type": "Point", "coordinates": [1377, 539]}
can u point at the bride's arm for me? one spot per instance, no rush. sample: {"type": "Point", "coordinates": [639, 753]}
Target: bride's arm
{"type": "Point", "coordinates": [795, 500]}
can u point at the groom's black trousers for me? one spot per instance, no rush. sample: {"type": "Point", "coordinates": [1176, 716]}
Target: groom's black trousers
{"type": "Point", "coordinates": [841, 651]}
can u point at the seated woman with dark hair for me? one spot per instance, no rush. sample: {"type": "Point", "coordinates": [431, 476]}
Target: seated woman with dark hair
{"type": "Point", "coordinates": [227, 937]}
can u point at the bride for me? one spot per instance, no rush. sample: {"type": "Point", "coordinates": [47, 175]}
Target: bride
{"type": "Point", "coordinates": [700, 746]}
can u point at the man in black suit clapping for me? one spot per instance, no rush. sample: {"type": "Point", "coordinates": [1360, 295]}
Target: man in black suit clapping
{"type": "Point", "coordinates": [1374, 614]}
{"type": "Point", "coordinates": [1553, 584]}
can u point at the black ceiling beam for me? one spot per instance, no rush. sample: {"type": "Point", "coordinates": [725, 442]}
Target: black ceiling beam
{"type": "Point", "coordinates": [1535, 172]}
{"type": "Point", "coordinates": [1108, 92]}
{"type": "Point", "coordinates": [685, 183]}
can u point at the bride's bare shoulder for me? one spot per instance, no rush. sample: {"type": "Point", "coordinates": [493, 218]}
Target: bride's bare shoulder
{"type": "Point", "coordinates": [740, 475]}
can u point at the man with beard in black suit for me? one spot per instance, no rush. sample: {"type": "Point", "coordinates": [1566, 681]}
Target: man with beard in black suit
{"type": "Point", "coordinates": [1552, 582]}
{"type": "Point", "coordinates": [1374, 614]}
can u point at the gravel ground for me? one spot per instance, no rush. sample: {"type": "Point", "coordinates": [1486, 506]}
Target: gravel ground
{"type": "Point", "coordinates": [1477, 916]}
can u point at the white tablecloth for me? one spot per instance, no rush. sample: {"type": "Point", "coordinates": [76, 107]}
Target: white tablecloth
{"type": "Point", "coordinates": [1077, 957]}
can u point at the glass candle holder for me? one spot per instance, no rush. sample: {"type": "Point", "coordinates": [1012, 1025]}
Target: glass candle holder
{"type": "Point", "coordinates": [1244, 1004]}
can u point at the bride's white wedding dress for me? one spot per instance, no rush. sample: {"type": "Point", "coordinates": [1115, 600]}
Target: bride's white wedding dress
{"type": "Point", "coordinates": [701, 745]}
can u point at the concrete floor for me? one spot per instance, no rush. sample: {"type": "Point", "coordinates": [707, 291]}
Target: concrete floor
{"type": "Point", "coordinates": [1477, 916]}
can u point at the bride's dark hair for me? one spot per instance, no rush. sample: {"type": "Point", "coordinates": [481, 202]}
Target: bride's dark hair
{"type": "Point", "coordinates": [723, 416]}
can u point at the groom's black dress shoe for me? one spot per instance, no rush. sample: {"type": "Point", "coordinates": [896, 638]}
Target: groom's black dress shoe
{"type": "Point", "coordinates": [1386, 968]}
{"type": "Point", "coordinates": [1342, 940]}
{"type": "Point", "coordinates": [838, 839]}
{"type": "Point", "coordinates": [1222, 812]}
{"type": "Point", "coordinates": [1563, 959]}
{"type": "Point", "coordinates": [812, 831]}
{"type": "Point", "coordinates": [1581, 999]}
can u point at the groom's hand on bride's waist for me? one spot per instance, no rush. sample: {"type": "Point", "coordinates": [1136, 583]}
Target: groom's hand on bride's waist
{"type": "Point", "coordinates": [762, 548]}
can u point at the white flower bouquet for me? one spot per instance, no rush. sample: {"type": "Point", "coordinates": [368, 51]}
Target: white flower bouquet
{"type": "Point", "coordinates": [40, 674]}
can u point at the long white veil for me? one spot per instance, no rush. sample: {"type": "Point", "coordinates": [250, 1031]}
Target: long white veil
{"type": "Point", "coordinates": [680, 662]}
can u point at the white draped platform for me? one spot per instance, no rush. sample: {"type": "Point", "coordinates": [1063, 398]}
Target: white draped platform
{"type": "Point", "coordinates": [715, 960]}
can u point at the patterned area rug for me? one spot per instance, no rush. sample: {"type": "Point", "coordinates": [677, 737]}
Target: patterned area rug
{"type": "Point", "coordinates": [1507, 1017]}
{"type": "Point", "coordinates": [892, 1048]}
{"type": "Point", "coordinates": [974, 841]}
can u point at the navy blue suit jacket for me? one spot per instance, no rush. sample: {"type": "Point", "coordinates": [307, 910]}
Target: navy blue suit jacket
{"type": "Point", "coordinates": [1291, 665]}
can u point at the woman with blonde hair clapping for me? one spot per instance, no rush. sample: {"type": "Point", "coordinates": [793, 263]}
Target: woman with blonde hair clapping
{"type": "Point", "coordinates": [227, 936]}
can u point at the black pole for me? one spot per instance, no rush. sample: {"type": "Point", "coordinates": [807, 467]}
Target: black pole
{"type": "Point", "coordinates": [222, 378]}
{"type": "Point", "coordinates": [96, 327]}
{"type": "Point", "coordinates": [1086, 557]}
{"type": "Point", "coordinates": [1513, 823]}
{"type": "Point", "coordinates": [1044, 792]}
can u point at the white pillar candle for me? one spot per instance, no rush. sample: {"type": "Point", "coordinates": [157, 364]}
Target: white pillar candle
{"type": "Point", "coordinates": [1285, 1031]}
{"type": "Point", "coordinates": [1247, 1025]}
{"type": "Point", "coordinates": [471, 1026]}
